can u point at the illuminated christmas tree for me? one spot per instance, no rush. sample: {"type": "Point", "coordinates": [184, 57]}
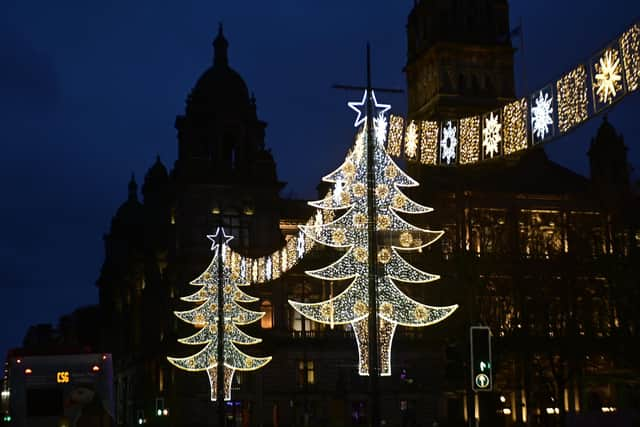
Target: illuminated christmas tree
{"type": "Point", "coordinates": [206, 315]}
{"type": "Point", "coordinates": [394, 235]}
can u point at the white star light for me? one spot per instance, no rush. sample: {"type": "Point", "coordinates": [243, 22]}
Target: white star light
{"type": "Point", "coordinates": [360, 107]}
{"type": "Point", "coordinates": [608, 77]}
{"type": "Point", "coordinates": [491, 135]}
{"type": "Point", "coordinates": [448, 143]}
{"type": "Point", "coordinates": [214, 238]}
{"type": "Point", "coordinates": [542, 116]}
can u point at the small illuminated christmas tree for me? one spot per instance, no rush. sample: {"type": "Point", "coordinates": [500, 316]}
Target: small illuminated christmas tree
{"type": "Point", "coordinates": [205, 317]}
{"type": "Point", "coordinates": [394, 234]}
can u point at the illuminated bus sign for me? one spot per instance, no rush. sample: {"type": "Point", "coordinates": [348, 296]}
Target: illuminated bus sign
{"type": "Point", "coordinates": [62, 377]}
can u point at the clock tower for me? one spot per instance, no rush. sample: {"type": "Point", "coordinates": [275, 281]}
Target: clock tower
{"type": "Point", "coordinates": [459, 58]}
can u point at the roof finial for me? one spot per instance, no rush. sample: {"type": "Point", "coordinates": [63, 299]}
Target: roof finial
{"type": "Point", "coordinates": [220, 46]}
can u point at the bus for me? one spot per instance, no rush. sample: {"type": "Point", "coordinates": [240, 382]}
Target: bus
{"type": "Point", "coordinates": [62, 390]}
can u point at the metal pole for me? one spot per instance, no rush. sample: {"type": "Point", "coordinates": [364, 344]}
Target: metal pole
{"type": "Point", "coordinates": [220, 395]}
{"type": "Point", "coordinates": [305, 371]}
{"type": "Point", "coordinates": [373, 262]}
{"type": "Point", "coordinates": [372, 326]}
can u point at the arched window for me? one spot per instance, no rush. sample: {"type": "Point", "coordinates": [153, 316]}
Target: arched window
{"type": "Point", "coordinates": [299, 323]}
{"type": "Point", "coordinates": [267, 320]}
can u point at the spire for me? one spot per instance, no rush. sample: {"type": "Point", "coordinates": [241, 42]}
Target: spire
{"type": "Point", "coordinates": [133, 188]}
{"type": "Point", "coordinates": [220, 45]}
{"type": "Point", "coordinates": [608, 163]}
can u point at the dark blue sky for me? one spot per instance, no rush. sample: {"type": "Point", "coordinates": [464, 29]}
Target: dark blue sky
{"type": "Point", "coordinates": [89, 92]}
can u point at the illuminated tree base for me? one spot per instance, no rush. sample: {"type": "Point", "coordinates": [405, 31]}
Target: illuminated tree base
{"type": "Point", "coordinates": [386, 330]}
{"type": "Point", "coordinates": [228, 379]}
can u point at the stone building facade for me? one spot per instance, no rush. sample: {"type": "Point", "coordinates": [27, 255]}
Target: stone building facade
{"type": "Point", "coordinates": [545, 257]}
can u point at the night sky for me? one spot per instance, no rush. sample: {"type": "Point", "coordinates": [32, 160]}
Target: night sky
{"type": "Point", "coordinates": [89, 92]}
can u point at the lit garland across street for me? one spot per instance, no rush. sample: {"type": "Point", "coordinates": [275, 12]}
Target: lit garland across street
{"type": "Point", "coordinates": [570, 94]}
{"type": "Point", "coordinates": [542, 115]}
{"type": "Point", "coordinates": [606, 74]}
{"type": "Point", "coordinates": [469, 140]}
{"type": "Point", "coordinates": [396, 129]}
{"type": "Point", "coordinates": [449, 144]}
{"type": "Point", "coordinates": [429, 143]}
{"type": "Point", "coordinates": [205, 317]}
{"type": "Point", "coordinates": [491, 135]}
{"type": "Point", "coordinates": [411, 140]}
{"type": "Point", "coordinates": [394, 235]}
{"type": "Point", "coordinates": [630, 47]}
{"type": "Point", "coordinates": [514, 129]}
{"type": "Point", "coordinates": [572, 99]}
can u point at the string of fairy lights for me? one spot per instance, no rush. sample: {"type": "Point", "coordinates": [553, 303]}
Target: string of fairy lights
{"type": "Point", "coordinates": [349, 231]}
{"type": "Point", "coordinates": [205, 319]}
{"type": "Point", "coordinates": [547, 113]}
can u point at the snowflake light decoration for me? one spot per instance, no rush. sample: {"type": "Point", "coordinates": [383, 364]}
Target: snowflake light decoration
{"type": "Point", "coordinates": [411, 140]}
{"type": "Point", "coordinates": [448, 143]}
{"type": "Point", "coordinates": [542, 116]}
{"type": "Point", "coordinates": [491, 135]}
{"type": "Point", "coordinates": [300, 245]}
{"type": "Point", "coordinates": [268, 269]}
{"type": "Point", "coordinates": [380, 125]}
{"type": "Point", "coordinates": [608, 76]}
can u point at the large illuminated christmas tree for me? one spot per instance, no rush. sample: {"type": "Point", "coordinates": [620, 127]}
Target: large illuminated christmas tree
{"type": "Point", "coordinates": [393, 235]}
{"type": "Point", "coordinates": [206, 315]}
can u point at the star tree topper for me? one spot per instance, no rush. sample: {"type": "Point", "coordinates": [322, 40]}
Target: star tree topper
{"type": "Point", "coordinates": [360, 107]}
{"type": "Point", "coordinates": [215, 238]}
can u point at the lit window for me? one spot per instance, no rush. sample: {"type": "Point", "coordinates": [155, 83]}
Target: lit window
{"type": "Point", "coordinates": [267, 320]}
{"type": "Point", "coordinates": [310, 373]}
{"type": "Point", "coordinates": [299, 322]}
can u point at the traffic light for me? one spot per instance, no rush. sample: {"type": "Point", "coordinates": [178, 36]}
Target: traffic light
{"type": "Point", "coordinates": [481, 369]}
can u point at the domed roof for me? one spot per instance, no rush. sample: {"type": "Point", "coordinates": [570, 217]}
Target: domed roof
{"type": "Point", "coordinates": [157, 174]}
{"type": "Point", "coordinates": [220, 86]}
{"type": "Point", "coordinates": [606, 138]}
{"type": "Point", "coordinates": [606, 131]}
{"type": "Point", "coordinates": [129, 214]}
